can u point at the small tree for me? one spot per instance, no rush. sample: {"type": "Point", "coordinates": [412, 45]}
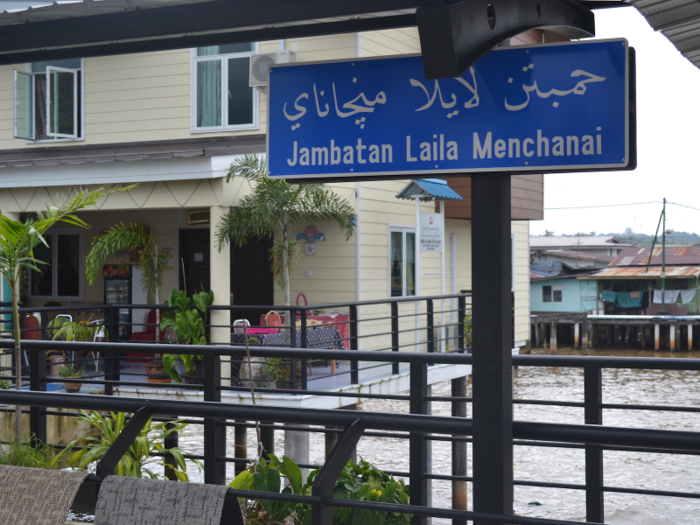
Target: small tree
{"type": "Point", "coordinates": [17, 242]}
{"type": "Point", "coordinates": [150, 259]}
{"type": "Point", "coordinates": [273, 207]}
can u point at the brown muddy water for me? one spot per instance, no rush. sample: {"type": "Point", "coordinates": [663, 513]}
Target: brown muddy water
{"type": "Point", "coordinates": [622, 469]}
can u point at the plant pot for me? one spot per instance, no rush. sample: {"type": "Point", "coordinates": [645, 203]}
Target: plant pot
{"type": "Point", "coordinates": [155, 373]}
{"type": "Point", "coordinates": [191, 380]}
{"type": "Point", "coordinates": [72, 388]}
{"type": "Point", "coordinates": [55, 362]}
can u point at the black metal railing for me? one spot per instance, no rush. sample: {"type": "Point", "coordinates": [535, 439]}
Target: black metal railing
{"type": "Point", "coordinates": [417, 427]}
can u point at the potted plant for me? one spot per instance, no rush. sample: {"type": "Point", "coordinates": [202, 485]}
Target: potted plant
{"type": "Point", "coordinates": [155, 371]}
{"type": "Point", "coordinates": [188, 324]}
{"type": "Point", "coordinates": [71, 371]}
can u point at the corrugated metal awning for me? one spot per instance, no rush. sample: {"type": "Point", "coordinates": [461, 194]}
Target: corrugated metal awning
{"type": "Point", "coordinates": [678, 20]}
{"type": "Point", "coordinates": [429, 189]}
{"type": "Point", "coordinates": [672, 272]}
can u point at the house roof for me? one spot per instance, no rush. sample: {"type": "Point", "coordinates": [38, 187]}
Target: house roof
{"type": "Point", "coordinates": [579, 255]}
{"type": "Point", "coordinates": [639, 272]}
{"type": "Point", "coordinates": [429, 189]}
{"type": "Point", "coordinates": [675, 256]}
{"type": "Point", "coordinates": [209, 147]}
{"type": "Point", "coordinates": [575, 241]}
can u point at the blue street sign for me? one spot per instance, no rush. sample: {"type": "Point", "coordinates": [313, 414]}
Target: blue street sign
{"type": "Point", "coordinates": [548, 108]}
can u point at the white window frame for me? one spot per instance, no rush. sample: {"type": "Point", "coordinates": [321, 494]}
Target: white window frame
{"type": "Point", "coordinates": [74, 72]}
{"type": "Point", "coordinates": [54, 254]}
{"type": "Point", "coordinates": [404, 229]}
{"type": "Point", "coordinates": [223, 57]}
{"type": "Point", "coordinates": [81, 109]}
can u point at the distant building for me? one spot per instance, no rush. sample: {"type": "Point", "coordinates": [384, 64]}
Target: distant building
{"type": "Point", "coordinates": [554, 287]}
{"type": "Point", "coordinates": [626, 286]}
{"type": "Point", "coordinates": [605, 245]}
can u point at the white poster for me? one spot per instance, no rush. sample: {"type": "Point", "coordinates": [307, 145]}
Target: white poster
{"type": "Point", "coordinates": [431, 231]}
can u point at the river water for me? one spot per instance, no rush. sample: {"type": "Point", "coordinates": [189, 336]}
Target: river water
{"type": "Point", "coordinates": [622, 469]}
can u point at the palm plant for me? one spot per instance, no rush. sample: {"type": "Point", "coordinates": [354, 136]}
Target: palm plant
{"type": "Point", "coordinates": [139, 240]}
{"type": "Point", "coordinates": [17, 242]}
{"type": "Point", "coordinates": [274, 206]}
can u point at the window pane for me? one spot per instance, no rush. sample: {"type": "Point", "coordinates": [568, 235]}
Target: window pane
{"type": "Point", "coordinates": [209, 93]}
{"type": "Point", "coordinates": [225, 49]}
{"type": "Point", "coordinates": [24, 105]}
{"type": "Point", "coordinates": [70, 63]}
{"type": "Point", "coordinates": [62, 102]}
{"type": "Point", "coordinates": [68, 265]}
{"type": "Point", "coordinates": [396, 264]}
{"type": "Point", "coordinates": [410, 263]}
{"type": "Point", "coordinates": [557, 296]}
{"type": "Point", "coordinates": [41, 282]}
{"type": "Point", "coordinates": [546, 294]}
{"type": "Point", "coordinates": [240, 94]}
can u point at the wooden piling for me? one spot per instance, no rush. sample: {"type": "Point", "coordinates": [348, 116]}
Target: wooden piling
{"type": "Point", "coordinates": [576, 334]}
{"type": "Point", "coordinates": [672, 337]}
{"type": "Point", "coordinates": [553, 336]}
{"type": "Point", "coordinates": [657, 333]}
{"type": "Point", "coordinates": [690, 336]}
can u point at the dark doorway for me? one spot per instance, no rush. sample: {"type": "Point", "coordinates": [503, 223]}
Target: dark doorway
{"type": "Point", "coordinates": [251, 279]}
{"type": "Point", "coordinates": [194, 253]}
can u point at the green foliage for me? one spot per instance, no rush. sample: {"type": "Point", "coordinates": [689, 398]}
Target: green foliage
{"type": "Point", "coordinates": [25, 455]}
{"type": "Point", "coordinates": [188, 326]}
{"type": "Point", "coordinates": [148, 443]}
{"type": "Point", "coordinates": [67, 330]}
{"type": "Point", "coordinates": [468, 328]}
{"type": "Point", "coordinates": [276, 369]}
{"type": "Point", "coordinates": [17, 242]}
{"type": "Point", "coordinates": [363, 482]}
{"type": "Point", "coordinates": [4, 384]}
{"type": "Point", "coordinates": [140, 242]}
{"type": "Point", "coordinates": [272, 207]}
{"type": "Point", "coordinates": [269, 477]}
{"type": "Point", "coordinates": [71, 370]}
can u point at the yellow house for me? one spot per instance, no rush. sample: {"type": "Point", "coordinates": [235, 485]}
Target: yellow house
{"type": "Point", "coordinates": [172, 122]}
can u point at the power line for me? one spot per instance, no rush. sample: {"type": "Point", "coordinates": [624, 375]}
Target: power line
{"type": "Point", "coordinates": [682, 205]}
{"type": "Point", "coordinates": [609, 206]}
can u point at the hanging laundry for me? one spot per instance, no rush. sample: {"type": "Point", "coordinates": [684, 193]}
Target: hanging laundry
{"type": "Point", "coordinates": [687, 296]}
{"type": "Point", "coordinates": [609, 296]}
{"type": "Point", "coordinates": [629, 299]}
{"type": "Point", "coordinates": [670, 296]}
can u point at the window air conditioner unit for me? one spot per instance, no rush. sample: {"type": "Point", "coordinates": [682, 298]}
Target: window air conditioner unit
{"type": "Point", "coordinates": [260, 65]}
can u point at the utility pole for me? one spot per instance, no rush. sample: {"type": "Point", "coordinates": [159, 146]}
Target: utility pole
{"type": "Point", "coordinates": [663, 255]}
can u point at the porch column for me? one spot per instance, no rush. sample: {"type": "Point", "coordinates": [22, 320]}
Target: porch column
{"type": "Point", "coordinates": [220, 272]}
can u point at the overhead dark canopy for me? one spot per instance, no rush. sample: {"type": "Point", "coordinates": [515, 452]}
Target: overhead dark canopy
{"type": "Point", "coordinates": [453, 34]}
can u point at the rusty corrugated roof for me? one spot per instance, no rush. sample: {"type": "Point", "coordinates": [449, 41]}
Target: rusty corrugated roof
{"type": "Point", "coordinates": [638, 272]}
{"type": "Point", "coordinates": [675, 256]}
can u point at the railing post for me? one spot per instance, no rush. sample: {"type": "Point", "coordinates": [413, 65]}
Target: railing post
{"type": "Point", "coordinates": [292, 343]}
{"type": "Point", "coordinates": [37, 415]}
{"type": "Point", "coordinates": [418, 447]}
{"type": "Point", "coordinates": [354, 371]}
{"type": "Point", "coordinates": [593, 399]}
{"type": "Point", "coordinates": [304, 344]}
{"type": "Point", "coordinates": [394, 334]}
{"type": "Point", "coordinates": [461, 314]}
{"type": "Point", "coordinates": [171, 441]}
{"type": "Point", "coordinates": [431, 326]}
{"type": "Point", "coordinates": [459, 450]}
{"type": "Point", "coordinates": [214, 433]}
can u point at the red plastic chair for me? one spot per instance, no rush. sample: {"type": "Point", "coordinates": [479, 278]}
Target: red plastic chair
{"type": "Point", "coordinates": [149, 336]}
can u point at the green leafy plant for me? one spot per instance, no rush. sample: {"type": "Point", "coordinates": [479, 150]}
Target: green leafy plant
{"type": "Point", "coordinates": [362, 482]}
{"type": "Point", "coordinates": [188, 324]}
{"type": "Point", "coordinates": [269, 477]}
{"type": "Point", "coordinates": [71, 370]}
{"type": "Point", "coordinates": [272, 208]}
{"type": "Point", "coordinates": [133, 463]}
{"type": "Point", "coordinates": [17, 242]}
{"type": "Point", "coordinates": [276, 370]}
{"type": "Point", "coordinates": [27, 455]}
{"type": "Point", "coordinates": [141, 245]}
{"type": "Point", "coordinates": [67, 330]}
{"type": "Point", "coordinates": [468, 328]}
{"type": "Point", "coordinates": [4, 384]}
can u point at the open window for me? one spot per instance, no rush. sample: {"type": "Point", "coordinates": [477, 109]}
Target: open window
{"type": "Point", "coordinates": [48, 101]}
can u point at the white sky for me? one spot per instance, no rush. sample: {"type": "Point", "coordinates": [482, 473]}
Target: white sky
{"type": "Point", "coordinates": [668, 117]}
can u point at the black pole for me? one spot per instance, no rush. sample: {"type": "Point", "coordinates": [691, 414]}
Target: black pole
{"type": "Point", "coordinates": [214, 433]}
{"type": "Point", "coordinates": [492, 364]}
{"type": "Point", "coordinates": [37, 415]}
{"type": "Point", "coordinates": [394, 334]}
{"type": "Point", "coordinates": [171, 441]}
{"type": "Point", "coordinates": [593, 399]}
{"type": "Point", "coordinates": [354, 365]}
{"type": "Point", "coordinates": [459, 451]}
{"type": "Point", "coordinates": [418, 447]}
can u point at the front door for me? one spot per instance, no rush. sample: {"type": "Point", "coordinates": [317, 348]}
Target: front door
{"type": "Point", "coordinates": [251, 279]}
{"type": "Point", "coordinates": [194, 262]}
